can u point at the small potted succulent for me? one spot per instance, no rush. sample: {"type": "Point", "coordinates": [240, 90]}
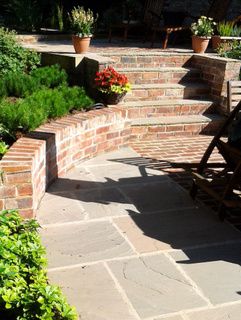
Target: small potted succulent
{"type": "Point", "coordinates": [82, 24]}
{"type": "Point", "coordinates": [111, 85]}
{"type": "Point", "coordinates": [202, 30]}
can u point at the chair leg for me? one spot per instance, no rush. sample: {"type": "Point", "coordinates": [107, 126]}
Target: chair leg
{"type": "Point", "coordinates": [193, 191]}
{"type": "Point", "coordinates": [125, 34]}
{"type": "Point", "coordinates": [166, 40]}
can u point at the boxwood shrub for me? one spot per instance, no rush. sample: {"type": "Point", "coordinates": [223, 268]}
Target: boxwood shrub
{"type": "Point", "coordinates": [25, 293]}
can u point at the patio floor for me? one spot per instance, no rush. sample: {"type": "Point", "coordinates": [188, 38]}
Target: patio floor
{"type": "Point", "coordinates": [125, 241]}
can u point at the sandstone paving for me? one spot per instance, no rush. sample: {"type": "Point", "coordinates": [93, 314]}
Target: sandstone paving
{"type": "Point", "coordinates": [215, 269]}
{"type": "Point", "coordinates": [227, 312]}
{"type": "Point", "coordinates": [180, 228]}
{"type": "Point", "coordinates": [126, 242]}
{"type": "Point", "coordinates": [93, 292]}
{"type": "Point", "coordinates": [170, 318]}
{"type": "Point", "coordinates": [59, 208]}
{"type": "Point", "coordinates": [156, 196]}
{"type": "Point", "coordinates": [155, 286]}
{"type": "Point", "coordinates": [79, 243]}
{"type": "Point", "coordinates": [104, 202]}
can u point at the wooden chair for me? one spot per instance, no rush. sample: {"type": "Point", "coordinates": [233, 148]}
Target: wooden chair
{"type": "Point", "coordinates": [222, 181]}
{"type": "Point", "coordinates": [216, 11]}
{"type": "Point", "coordinates": [233, 94]}
{"type": "Point", "coordinates": [151, 16]}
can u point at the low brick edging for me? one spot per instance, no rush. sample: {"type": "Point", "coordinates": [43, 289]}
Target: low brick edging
{"type": "Point", "coordinates": [34, 161]}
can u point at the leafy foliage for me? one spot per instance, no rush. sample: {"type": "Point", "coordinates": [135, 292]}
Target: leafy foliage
{"type": "Point", "coordinates": [204, 27]}
{"type": "Point", "coordinates": [29, 113]}
{"type": "Point", "coordinates": [13, 57]}
{"type": "Point", "coordinates": [82, 21]}
{"type": "Point", "coordinates": [18, 84]}
{"type": "Point", "coordinates": [3, 148]}
{"type": "Point", "coordinates": [109, 80]}
{"type": "Point", "coordinates": [230, 50]}
{"type": "Point", "coordinates": [24, 290]}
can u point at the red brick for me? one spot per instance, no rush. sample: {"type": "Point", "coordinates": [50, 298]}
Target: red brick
{"type": "Point", "coordinates": [24, 189]}
{"type": "Point", "coordinates": [7, 192]}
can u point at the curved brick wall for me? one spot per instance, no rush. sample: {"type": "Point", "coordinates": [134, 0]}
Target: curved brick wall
{"type": "Point", "coordinates": [34, 161]}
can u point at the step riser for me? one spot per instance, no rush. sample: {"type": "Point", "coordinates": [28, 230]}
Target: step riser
{"type": "Point", "coordinates": [161, 77]}
{"type": "Point", "coordinates": [161, 131]}
{"type": "Point", "coordinates": [159, 111]}
{"type": "Point", "coordinates": [170, 93]}
{"type": "Point", "coordinates": [150, 61]}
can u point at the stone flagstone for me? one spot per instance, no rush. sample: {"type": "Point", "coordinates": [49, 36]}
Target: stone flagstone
{"type": "Point", "coordinates": [175, 229]}
{"type": "Point", "coordinates": [216, 270]}
{"type": "Point", "coordinates": [229, 312]}
{"type": "Point", "coordinates": [79, 243]}
{"type": "Point", "coordinates": [93, 292]}
{"type": "Point", "coordinates": [154, 286]}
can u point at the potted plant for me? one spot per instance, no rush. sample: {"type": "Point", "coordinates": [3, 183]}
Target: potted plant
{"type": "Point", "coordinates": [226, 32]}
{"type": "Point", "coordinates": [111, 85]}
{"type": "Point", "coordinates": [202, 31]}
{"type": "Point", "coordinates": [82, 23]}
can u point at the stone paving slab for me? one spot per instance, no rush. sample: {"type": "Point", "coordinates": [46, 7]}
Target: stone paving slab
{"type": "Point", "coordinates": [176, 229]}
{"type": "Point", "coordinates": [60, 208]}
{"type": "Point", "coordinates": [154, 286]}
{"type": "Point", "coordinates": [157, 196]}
{"type": "Point", "coordinates": [104, 203]}
{"type": "Point", "coordinates": [80, 243]}
{"type": "Point", "coordinates": [93, 292]}
{"type": "Point", "coordinates": [229, 312]}
{"type": "Point", "coordinates": [112, 174]}
{"type": "Point", "coordinates": [170, 318]}
{"type": "Point", "coordinates": [216, 270]}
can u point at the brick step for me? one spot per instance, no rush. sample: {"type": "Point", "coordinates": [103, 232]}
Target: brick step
{"type": "Point", "coordinates": [160, 74]}
{"type": "Point", "coordinates": [149, 59]}
{"type": "Point", "coordinates": [158, 108]}
{"type": "Point", "coordinates": [155, 91]}
{"type": "Point", "coordinates": [155, 128]}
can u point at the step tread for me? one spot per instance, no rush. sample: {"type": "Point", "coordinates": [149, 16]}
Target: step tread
{"type": "Point", "coordinates": [165, 102]}
{"type": "Point", "coordinates": [170, 85]}
{"type": "Point", "coordinates": [172, 120]}
{"type": "Point", "coordinates": [159, 69]}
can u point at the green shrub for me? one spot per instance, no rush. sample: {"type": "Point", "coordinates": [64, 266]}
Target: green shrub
{"type": "Point", "coordinates": [230, 50]}
{"type": "Point", "coordinates": [29, 113]}
{"type": "Point", "coordinates": [13, 57]}
{"type": "Point", "coordinates": [19, 84]}
{"type": "Point", "coordinates": [51, 77]}
{"type": "Point", "coordinates": [3, 148]}
{"type": "Point", "coordinates": [24, 290]}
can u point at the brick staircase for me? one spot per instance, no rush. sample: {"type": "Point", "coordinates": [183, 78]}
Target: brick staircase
{"type": "Point", "coordinates": [168, 96]}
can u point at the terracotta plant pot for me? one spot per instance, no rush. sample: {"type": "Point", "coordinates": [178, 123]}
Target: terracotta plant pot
{"type": "Point", "coordinates": [81, 45]}
{"type": "Point", "coordinates": [199, 44]}
{"type": "Point", "coordinates": [216, 40]}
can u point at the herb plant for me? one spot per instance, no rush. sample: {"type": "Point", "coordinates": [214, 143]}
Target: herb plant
{"type": "Point", "coordinates": [82, 21]}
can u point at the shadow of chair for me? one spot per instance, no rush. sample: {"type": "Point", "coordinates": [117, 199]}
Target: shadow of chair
{"type": "Point", "coordinates": [216, 11]}
{"type": "Point", "coordinates": [151, 15]}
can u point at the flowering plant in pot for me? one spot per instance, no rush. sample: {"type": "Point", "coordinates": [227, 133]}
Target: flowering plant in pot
{"type": "Point", "coordinates": [111, 85]}
{"type": "Point", "coordinates": [202, 31]}
{"type": "Point", "coordinates": [82, 24]}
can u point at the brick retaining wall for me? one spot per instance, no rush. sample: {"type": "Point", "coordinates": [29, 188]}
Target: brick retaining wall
{"type": "Point", "coordinates": [216, 72]}
{"type": "Point", "coordinates": [34, 161]}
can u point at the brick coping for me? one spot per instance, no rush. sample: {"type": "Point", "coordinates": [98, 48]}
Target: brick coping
{"type": "Point", "coordinates": [33, 162]}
